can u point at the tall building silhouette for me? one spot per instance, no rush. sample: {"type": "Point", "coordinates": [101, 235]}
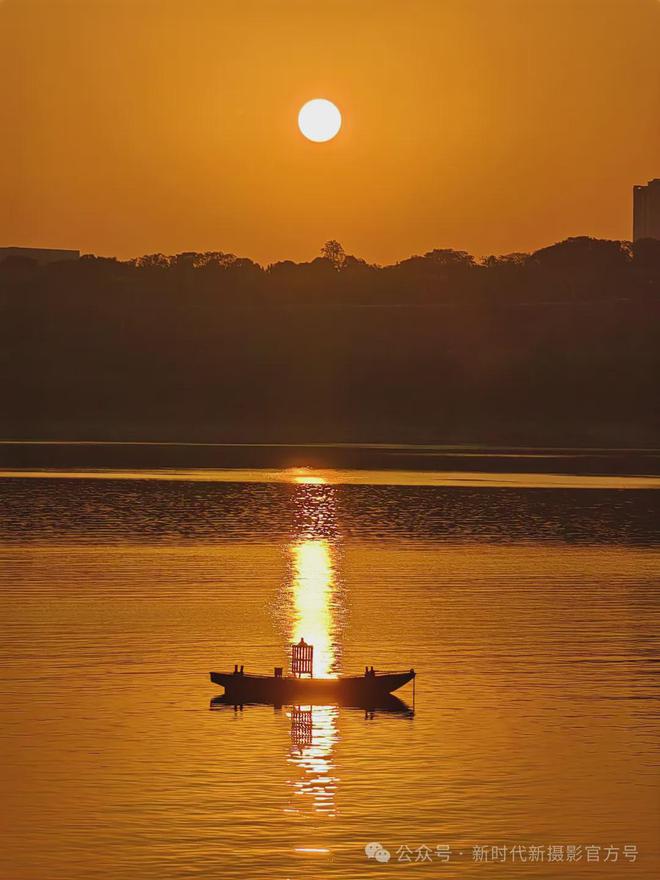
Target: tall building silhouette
{"type": "Point", "coordinates": [646, 210]}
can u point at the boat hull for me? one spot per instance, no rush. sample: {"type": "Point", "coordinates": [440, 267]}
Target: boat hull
{"type": "Point", "coordinates": [358, 690]}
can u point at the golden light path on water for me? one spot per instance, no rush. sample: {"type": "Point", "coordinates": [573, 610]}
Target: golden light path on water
{"type": "Point", "coordinates": [313, 609]}
{"type": "Point", "coordinates": [312, 602]}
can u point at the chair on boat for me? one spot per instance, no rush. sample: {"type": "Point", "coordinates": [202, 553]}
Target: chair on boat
{"type": "Point", "coordinates": [302, 659]}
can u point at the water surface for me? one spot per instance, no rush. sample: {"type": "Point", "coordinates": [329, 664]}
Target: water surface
{"type": "Point", "coordinates": [528, 605]}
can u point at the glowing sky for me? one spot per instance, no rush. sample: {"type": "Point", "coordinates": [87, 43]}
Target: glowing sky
{"type": "Point", "coordinates": [134, 126]}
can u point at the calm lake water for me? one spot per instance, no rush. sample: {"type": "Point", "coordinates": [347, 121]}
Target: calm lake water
{"type": "Point", "coordinates": [527, 604]}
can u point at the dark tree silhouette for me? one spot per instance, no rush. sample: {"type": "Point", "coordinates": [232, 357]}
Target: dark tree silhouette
{"type": "Point", "coordinates": [559, 346]}
{"type": "Point", "coordinates": [334, 252]}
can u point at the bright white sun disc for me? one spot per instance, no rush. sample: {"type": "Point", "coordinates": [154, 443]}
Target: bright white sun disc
{"type": "Point", "coordinates": [319, 120]}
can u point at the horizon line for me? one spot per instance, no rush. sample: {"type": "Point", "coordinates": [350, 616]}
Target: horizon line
{"type": "Point", "coordinates": [478, 258]}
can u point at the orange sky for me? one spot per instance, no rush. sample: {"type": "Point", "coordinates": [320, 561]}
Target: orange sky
{"type": "Point", "coordinates": [134, 126]}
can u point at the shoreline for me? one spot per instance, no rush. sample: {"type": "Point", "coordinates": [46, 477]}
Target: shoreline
{"type": "Point", "coordinates": [95, 455]}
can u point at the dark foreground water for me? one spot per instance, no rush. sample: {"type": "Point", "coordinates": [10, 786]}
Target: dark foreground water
{"type": "Point", "coordinates": [528, 605]}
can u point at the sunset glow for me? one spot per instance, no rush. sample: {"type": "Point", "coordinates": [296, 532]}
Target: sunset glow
{"type": "Point", "coordinates": [464, 125]}
{"type": "Point", "coordinates": [330, 471]}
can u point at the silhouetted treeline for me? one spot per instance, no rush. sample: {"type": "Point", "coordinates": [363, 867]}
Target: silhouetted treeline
{"type": "Point", "coordinates": [558, 346]}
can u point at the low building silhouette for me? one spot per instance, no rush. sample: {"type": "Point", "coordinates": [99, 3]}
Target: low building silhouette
{"type": "Point", "coordinates": [646, 210]}
{"type": "Point", "coordinates": [40, 255]}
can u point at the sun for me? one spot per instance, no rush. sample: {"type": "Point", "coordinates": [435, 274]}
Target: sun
{"type": "Point", "coordinates": [319, 120]}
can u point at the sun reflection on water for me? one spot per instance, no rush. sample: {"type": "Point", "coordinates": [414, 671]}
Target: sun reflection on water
{"type": "Point", "coordinates": [313, 606]}
{"type": "Point", "coordinates": [314, 612]}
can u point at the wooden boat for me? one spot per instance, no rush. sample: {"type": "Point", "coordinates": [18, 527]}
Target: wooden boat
{"type": "Point", "coordinates": [358, 690]}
